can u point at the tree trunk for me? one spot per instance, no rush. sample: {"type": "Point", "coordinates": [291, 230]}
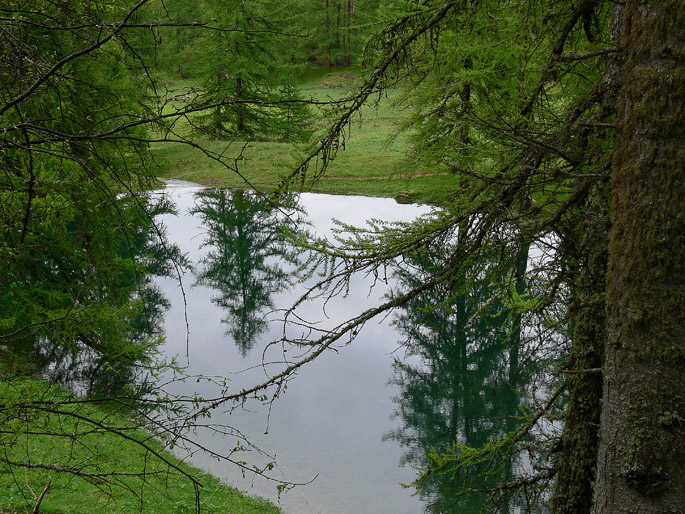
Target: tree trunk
{"type": "Point", "coordinates": [328, 33]}
{"type": "Point", "coordinates": [577, 470]}
{"type": "Point", "coordinates": [642, 435]}
{"type": "Point", "coordinates": [348, 29]}
{"type": "Point", "coordinates": [338, 30]}
{"type": "Point", "coordinates": [520, 267]}
{"type": "Point", "coordinates": [240, 117]}
{"type": "Point", "coordinates": [579, 441]}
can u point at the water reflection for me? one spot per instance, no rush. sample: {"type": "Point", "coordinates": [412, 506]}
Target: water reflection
{"type": "Point", "coordinates": [330, 421]}
{"type": "Point", "coordinates": [248, 259]}
{"type": "Point", "coordinates": [105, 356]}
{"type": "Point", "coordinates": [456, 383]}
{"type": "Point", "coordinates": [456, 386]}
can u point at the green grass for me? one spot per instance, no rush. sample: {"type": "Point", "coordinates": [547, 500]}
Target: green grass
{"type": "Point", "coordinates": [368, 165]}
{"type": "Point", "coordinates": [80, 444]}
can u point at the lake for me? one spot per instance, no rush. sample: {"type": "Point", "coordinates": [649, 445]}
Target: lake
{"type": "Point", "coordinates": [354, 422]}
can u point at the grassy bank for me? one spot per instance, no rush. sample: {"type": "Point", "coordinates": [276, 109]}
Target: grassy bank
{"type": "Point", "coordinates": [367, 166]}
{"type": "Point", "coordinates": [107, 465]}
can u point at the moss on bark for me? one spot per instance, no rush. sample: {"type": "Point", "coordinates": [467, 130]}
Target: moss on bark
{"type": "Point", "coordinates": [578, 462]}
{"type": "Point", "coordinates": [642, 436]}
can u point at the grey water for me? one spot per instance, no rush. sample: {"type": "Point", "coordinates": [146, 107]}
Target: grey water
{"type": "Point", "coordinates": [354, 423]}
{"type": "Point", "coordinates": [329, 426]}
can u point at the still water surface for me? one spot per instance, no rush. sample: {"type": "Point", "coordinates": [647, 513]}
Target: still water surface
{"type": "Point", "coordinates": [355, 420]}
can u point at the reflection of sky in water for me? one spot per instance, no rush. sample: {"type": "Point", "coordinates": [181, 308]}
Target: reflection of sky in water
{"type": "Point", "coordinates": [355, 210]}
{"type": "Point", "coordinates": [332, 418]}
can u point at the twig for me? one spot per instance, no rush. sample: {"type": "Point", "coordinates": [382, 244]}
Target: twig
{"type": "Point", "coordinates": [587, 55]}
{"type": "Point", "coordinates": [40, 499]}
{"type": "Point", "coordinates": [577, 371]}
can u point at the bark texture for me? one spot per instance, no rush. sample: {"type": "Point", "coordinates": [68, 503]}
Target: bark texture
{"type": "Point", "coordinates": [642, 435]}
{"type": "Point", "coordinates": [577, 468]}
{"type": "Point", "coordinates": [580, 439]}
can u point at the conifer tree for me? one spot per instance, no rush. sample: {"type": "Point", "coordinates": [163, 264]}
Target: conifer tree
{"type": "Point", "coordinates": [76, 237]}
{"type": "Point", "coordinates": [517, 102]}
{"type": "Point", "coordinates": [62, 223]}
{"type": "Point", "coordinates": [248, 90]}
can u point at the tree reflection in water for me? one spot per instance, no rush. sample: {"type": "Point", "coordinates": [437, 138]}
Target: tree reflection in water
{"type": "Point", "coordinates": [456, 381]}
{"type": "Point", "coordinates": [112, 358]}
{"type": "Point", "coordinates": [248, 260]}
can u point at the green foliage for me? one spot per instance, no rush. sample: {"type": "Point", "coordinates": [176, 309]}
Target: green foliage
{"type": "Point", "coordinates": [248, 89]}
{"type": "Point", "coordinates": [511, 104]}
{"type": "Point", "coordinates": [71, 244]}
{"type": "Point", "coordinates": [474, 82]}
{"type": "Point", "coordinates": [459, 405]}
{"type": "Point", "coordinates": [244, 234]}
{"type": "Point", "coordinates": [175, 42]}
{"type": "Point", "coordinates": [337, 30]}
{"type": "Point", "coordinates": [77, 242]}
{"type": "Point", "coordinates": [357, 170]}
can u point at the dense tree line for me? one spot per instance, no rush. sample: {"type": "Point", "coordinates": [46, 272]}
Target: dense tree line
{"type": "Point", "coordinates": [560, 125]}
{"type": "Point", "coordinates": [327, 32]}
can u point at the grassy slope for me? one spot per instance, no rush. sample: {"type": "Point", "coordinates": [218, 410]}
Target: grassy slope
{"type": "Point", "coordinates": [367, 165]}
{"type": "Point", "coordinates": [164, 491]}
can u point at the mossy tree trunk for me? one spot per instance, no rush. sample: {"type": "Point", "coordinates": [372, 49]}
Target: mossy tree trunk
{"type": "Point", "coordinates": [642, 435]}
{"type": "Point", "coordinates": [578, 460]}
{"type": "Point", "coordinates": [577, 467]}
